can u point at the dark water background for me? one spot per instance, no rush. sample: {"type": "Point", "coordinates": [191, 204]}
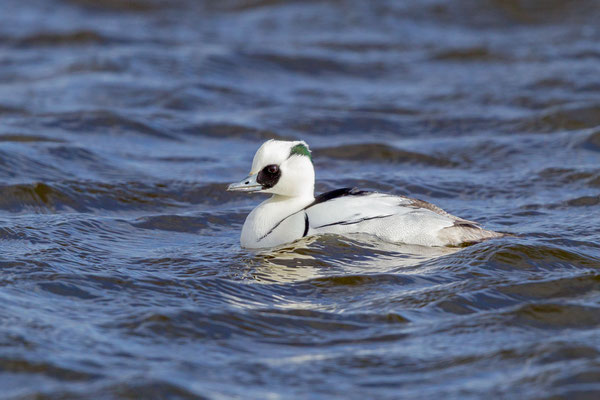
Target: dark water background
{"type": "Point", "coordinates": [121, 122]}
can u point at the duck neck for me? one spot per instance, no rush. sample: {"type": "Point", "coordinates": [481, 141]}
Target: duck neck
{"type": "Point", "coordinates": [277, 208]}
{"type": "Point", "coordinates": [283, 206]}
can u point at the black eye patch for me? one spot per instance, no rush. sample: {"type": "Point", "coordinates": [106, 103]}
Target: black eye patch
{"type": "Point", "coordinates": [269, 176]}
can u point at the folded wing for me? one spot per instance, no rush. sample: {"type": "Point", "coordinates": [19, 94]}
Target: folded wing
{"type": "Point", "coordinates": [391, 218]}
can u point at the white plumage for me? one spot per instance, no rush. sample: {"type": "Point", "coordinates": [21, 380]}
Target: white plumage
{"type": "Point", "coordinates": [285, 170]}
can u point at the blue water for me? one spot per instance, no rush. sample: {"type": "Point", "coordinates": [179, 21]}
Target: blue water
{"type": "Point", "coordinates": [122, 122]}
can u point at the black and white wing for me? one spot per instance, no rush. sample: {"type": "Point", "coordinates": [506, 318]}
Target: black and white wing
{"type": "Point", "coordinates": [392, 218]}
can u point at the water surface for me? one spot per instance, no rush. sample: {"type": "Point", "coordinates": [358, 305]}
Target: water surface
{"type": "Point", "coordinates": [121, 274]}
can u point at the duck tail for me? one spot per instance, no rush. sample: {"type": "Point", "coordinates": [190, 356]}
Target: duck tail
{"type": "Point", "coordinates": [466, 232]}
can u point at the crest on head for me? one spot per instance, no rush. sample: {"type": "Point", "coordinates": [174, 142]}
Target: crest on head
{"type": "Point", "coordinates": [301, 149]}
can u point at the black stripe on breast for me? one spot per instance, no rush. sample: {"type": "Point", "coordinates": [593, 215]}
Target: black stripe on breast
{"type": "Point", "coordinates": [273, 228]}
{"type": "Point", "coordinates": [306, 225]}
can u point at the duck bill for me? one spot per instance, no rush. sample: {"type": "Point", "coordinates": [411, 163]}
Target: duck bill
{"type": "Point", "coordinates": [247, 184]}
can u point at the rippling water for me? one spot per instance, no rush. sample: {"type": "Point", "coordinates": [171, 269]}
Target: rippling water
{"type": "Point", "coordinates": [121, 122]}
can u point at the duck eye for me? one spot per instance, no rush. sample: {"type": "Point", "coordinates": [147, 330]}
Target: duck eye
{"type": "Point", "coordinates": [272, 169]}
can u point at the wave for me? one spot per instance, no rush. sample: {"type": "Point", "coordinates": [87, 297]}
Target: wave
{"type": "Point", "coordinates": [563, 118]}
{"type": "Point", "coordinates": [75, 38]}
{"type": "Point", "coordinates": [90, 196]}
{"type": "Point", "coordinates": [380, 152]}
{"type": "Point", "coordinates": [103, 122]}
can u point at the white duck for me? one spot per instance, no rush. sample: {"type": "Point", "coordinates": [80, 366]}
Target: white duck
{"type": "Point", "coordinates": [285, 170]}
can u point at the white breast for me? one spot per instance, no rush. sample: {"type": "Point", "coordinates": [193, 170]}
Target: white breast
{"type": "Point", "coordinates": [275, 221]}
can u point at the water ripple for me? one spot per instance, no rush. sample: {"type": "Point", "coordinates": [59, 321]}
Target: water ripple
{"type": "Point", "coordinates": [122, 122]}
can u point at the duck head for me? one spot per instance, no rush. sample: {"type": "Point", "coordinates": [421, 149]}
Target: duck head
{"type": "Point", "coordinates": [282, 168]}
